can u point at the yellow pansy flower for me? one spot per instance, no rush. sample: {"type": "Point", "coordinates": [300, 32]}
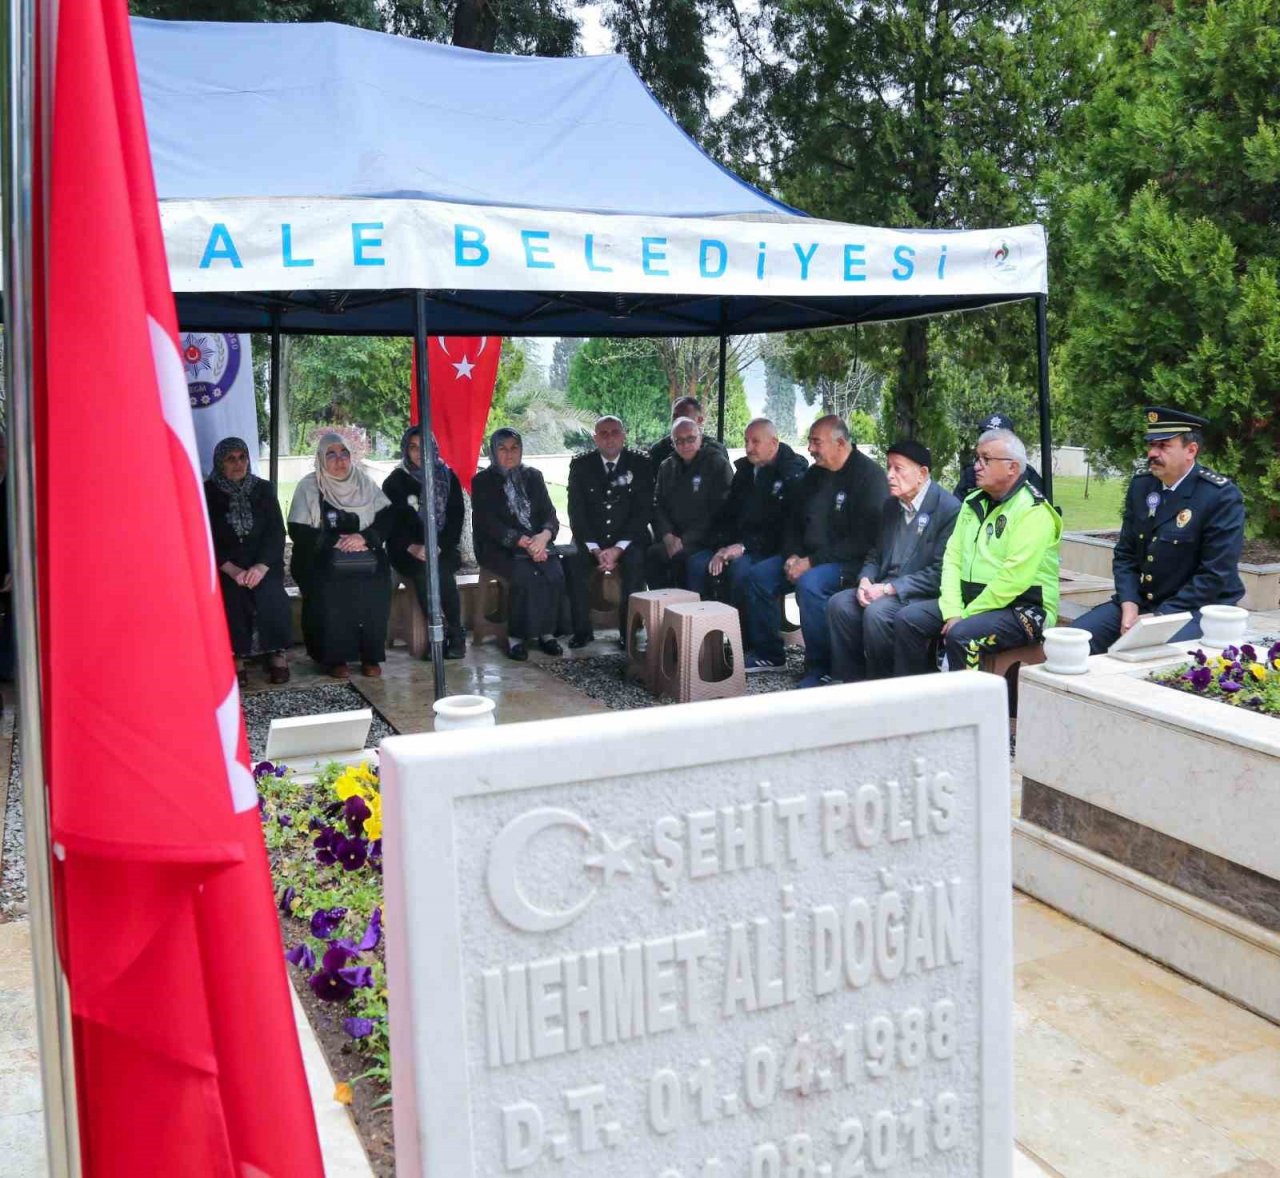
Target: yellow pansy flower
{"type": "Point", "coordinates": [348, 786]}
{"type": "Point", "coordinates": [1258, 671]}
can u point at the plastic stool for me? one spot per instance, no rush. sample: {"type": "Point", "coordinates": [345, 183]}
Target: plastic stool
{"type": "Point", "coordinates": [1005, 663]}
{"type": "Point", "coordinates": [490, 607]}
{"type": "Point", "coordinates": [406, 623]}
{"type": "Point", "coordinates": [691, 654]}
{"type": "Point", "coordinates": [644, 612]}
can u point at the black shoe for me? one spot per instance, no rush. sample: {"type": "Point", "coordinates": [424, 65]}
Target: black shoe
{"type": "Point", "coordinates": [550, 646]}
{"type": "Point", "coordinates": [455, 647]}
{"type": "Point", "coordinates": [622, 644]}
{"type": "Point", "coordinates": [518, 653]}
{"type": "Point", "coordinates": [578, 641]}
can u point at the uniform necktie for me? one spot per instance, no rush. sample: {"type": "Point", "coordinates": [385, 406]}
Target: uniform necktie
{"type": "Point", "coordinates": [608, 469]}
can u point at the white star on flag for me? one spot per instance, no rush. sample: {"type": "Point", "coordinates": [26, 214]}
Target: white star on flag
{"type": "Point", "coordinates": [463, 368]}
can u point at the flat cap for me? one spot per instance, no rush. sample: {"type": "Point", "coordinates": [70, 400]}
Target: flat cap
{"type": "Point", "coordinates": [917, 452]}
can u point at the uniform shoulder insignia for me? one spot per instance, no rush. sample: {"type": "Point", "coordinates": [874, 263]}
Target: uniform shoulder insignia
{"type": "Point", "coordinates": [1037, 495]}
{"type": "Point", "coordinates": [1212, 476]}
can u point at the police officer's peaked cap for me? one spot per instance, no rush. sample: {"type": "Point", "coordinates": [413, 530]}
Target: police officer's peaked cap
{"type": "Point", "coordinates": [995, 421]}
{"type": "Point", "coordinates": [1164, 422]}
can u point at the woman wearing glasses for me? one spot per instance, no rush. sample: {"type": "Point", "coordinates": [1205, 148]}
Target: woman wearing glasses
{"type": "Point", "coordinates": [339, 522]}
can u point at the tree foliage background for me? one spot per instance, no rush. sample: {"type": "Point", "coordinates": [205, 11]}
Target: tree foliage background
{"type": "Point", "coordinates": [1141, 133]}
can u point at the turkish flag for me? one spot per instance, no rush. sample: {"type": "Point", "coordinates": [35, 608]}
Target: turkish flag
{"type": "Point", "coordinates": [463, 371]}
{"type": "Point", "coordinates": [186, 1054]}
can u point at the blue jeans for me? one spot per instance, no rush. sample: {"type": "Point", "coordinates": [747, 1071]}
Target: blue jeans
{"type": "Point", "coordinates": [813, 591]}
{"type": "Point", "coordinates": [756, 587]}
{"type": "Point", "coordinates": [696, 573]}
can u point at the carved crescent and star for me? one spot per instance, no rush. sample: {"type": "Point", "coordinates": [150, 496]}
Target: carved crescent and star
{"type": "Point", "coordinates": [464, 366]}
{"type": "Point", "coordinates": [606, 855]}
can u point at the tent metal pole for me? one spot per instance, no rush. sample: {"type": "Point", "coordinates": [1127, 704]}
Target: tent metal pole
{"type": "Point", "coordinates": [1046, 439]}
{"type": "Point", "coordinates": [435, 623]}
{"type": "Point", "coordinates": [724, 348]}
{"type": "Point", "coordinates": [274, 400]}
{"type": "Point", "coordinates": [53, 1011]}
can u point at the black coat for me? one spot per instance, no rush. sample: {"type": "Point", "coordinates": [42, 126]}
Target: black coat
{"type": "Point", "coordinates": [265, 542]}
{"type": "Point", "coordinates": [494, 525]}
{"type": "Point", "coordinates": [919, 576]}
{"type": "Point", "coordinates": [406, 525]}
{"type": "Point", "coordinates": [851, 499]}
{"type": "Point", "coordinates": [755, 513]}
{"type": "Point", "coordinates": [688, 495]}
{"type": "Point", "coordinates": [603, 511]}
{"type": "Point", "coordinates": [1181, 551]}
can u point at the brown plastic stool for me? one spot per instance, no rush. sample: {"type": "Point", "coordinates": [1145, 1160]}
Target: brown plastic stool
{"type": "Point", "coordinates": [691, 652]}
{"type": "Point", "coordinates": [1005, 663]}
{"type": "Point", "coordinates": [603, 592]}
{"type": "Point", "coordinates": [644, 612]}
{"type": "Point", "coordinates": [406, 623]}
{"type": "Point", "coordinates": [490, 607]}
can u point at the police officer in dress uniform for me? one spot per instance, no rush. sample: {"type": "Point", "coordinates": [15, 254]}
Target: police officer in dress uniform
{"type": "Point", "coordinates": [1181, 537]}
{"type": "Point", "coordinates": [610, 504]}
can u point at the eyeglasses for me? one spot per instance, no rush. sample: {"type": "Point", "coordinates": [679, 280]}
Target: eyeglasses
{"type": "Point", "coordinates": [983, 460]}
{"type": "Point", "coordinates": [691, 440]}
{"type": "Point", "coordinates": [336, 455]}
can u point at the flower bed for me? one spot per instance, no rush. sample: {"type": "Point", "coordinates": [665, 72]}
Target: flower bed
{"type": "Point", "coordinates": [324, 840]}
{"type": "Point", "coordinates": [1240, 677]}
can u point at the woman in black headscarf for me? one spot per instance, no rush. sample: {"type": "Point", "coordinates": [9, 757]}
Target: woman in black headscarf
{"type": "Point", "coordinates": [248, 545]}
{"type": "Point", "coordinates": [514, 523]}
{"type": "Point", "coordinates": [405, 487]}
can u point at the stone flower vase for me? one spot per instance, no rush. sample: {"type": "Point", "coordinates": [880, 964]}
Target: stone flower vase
{"type": "Point", "coordinates": [463, 711]}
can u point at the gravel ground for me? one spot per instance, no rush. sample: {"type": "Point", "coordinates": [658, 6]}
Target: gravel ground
{"type": "Point", "coordinates": [13, 881]}
{"type": "Point", "coordinates": [261, 707]}
{"type": "Point", "coordinates": [603, 677]}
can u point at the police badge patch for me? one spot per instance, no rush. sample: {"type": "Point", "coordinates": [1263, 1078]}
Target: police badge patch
{"type": "Point", "coordinates": [1184, 517]}
{"type": "Point", "coordinates": [840, 498]}
{"type": "Point", "coordinates": [1153, 501]}
{"type": "Point", "coordinates": [922, 522]}
{"type": "Point", "coordinates": [1002, 521]}
{"type": "Point", "coordinates": [211, 362]}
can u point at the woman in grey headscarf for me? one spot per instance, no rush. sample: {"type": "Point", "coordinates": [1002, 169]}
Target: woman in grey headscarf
{"type": "Point", "coordinates": [514, 523]}
{"type": "Point", "coordinates": [406, 487]}
{"type": "Point", "coordinates": [248, 545]}
{"type": "Point", "coordinates": [339, 522]}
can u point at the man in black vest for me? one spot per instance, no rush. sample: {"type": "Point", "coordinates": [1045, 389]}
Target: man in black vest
{"type": "Point", "coordinates": [905, 566]}
{"type": "Point", "coordinates": [610, 502]}
{"type": "Point", "coordinates": [1180, 539]}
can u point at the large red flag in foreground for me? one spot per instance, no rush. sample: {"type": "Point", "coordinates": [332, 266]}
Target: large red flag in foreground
{"type": "Point", "coordinates": [463, 371]}
{"type": "Point", "coordinates": [187, 1059]}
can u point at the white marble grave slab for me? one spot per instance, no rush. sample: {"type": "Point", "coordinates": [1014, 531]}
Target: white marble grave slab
{"type": "Point", "coordinates": [753, 938]}
{"type": "Point", "coordinates": [313, 736]}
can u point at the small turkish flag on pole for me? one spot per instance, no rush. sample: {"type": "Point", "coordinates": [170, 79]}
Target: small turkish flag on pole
{"type": "Point", "coordinates": [463, 371]}
{"type": "Point", "coordinates": [187, 1058]}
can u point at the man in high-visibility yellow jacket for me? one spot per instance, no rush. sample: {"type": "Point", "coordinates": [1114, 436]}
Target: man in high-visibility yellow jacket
{"type": "Point", "coordinates": [1000, 569]}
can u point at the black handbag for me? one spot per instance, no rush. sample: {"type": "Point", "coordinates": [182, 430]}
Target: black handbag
{"type": "Point", "coordinates": [353, 564]}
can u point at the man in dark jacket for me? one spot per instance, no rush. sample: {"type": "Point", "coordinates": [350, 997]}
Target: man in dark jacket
{"type": "Point", "coordinates": [748, 529]}
{"type": "Point", "coordinates": [832, 524]}
{"type": "Point", "coordinates": [610, 502]}
{"type": "Point", "coordinates": [904, 566]}
{"type": "Point", "coordinates": [691, 485]}
{"type": "Point", "coordinates": [689, 407]}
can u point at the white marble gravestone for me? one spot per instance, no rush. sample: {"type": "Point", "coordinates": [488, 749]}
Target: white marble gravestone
{"type": "Point", "coordinates": [756, 938]}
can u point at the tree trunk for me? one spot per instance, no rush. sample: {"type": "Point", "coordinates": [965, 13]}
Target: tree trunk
{"type": "Point", "coordinates": [911, 392]}
{"type": "Point", "coordinates": [475, 25]}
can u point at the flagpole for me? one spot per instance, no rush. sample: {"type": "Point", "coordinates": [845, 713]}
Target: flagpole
{"type": "Point", "coordinates": [435, 624]}
{"type": "Point", "coordinates": [273, 402]}
{"type": "Point", "coordinates": [53, 1016]}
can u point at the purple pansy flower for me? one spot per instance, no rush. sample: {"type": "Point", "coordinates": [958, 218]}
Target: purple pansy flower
{"type": "Point", "coordinates": [1230, 686]}
{"type": "Point", "coordinates": [1249, 655]}
{"type": "Point", "coordinates": [372, 932]}
{"type": "Point", "coordinates": [323, 844]}
{"type": "Point", "coordinates": [330, 986]}
{"type": "Point", "coordinates": [1231, 653]}
{"type": "Point", "coordinates": [301, 954]}
{"type": "Point", "coordinates": [285, 819]}
{"type": "Point", "coordinates": [316, 823]}
{"type": "Point", "coordinates": [355, 811]}
{"type": "Point", "coordinates": [358, 1028]}
{"type": "Point", "coordinates": [325, 920]}
{"type": "Point", "coordinates": [1198, 655]}
{"type": "Point", "coordinates": [338, 954]}
{"type": "Point", "coordinates": [287, 898]}
{"type": "Point", "coordinates": [262, 806]}
{"type": "Point", "coordinates": [1199, 677]}
{"type": "Point", "coordinates": [262, 768]}
{"type": "Point", "coordinates": [360, 976]}
{"type": "Point", "coordinates": [351, 853]}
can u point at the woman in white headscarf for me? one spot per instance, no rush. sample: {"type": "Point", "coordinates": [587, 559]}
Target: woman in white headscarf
{"type": "Point", "coordinates": [339, 522]}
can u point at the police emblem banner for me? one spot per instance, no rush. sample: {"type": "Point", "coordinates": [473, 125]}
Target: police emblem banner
{"type": "Point", "coordinates": [220, 388]}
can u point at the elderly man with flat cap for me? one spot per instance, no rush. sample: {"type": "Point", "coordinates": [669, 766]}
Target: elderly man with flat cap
{"type": "Point", "coordinates": [1180, 539]}
{"type": "Point", "coordinates": [904, 566]}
